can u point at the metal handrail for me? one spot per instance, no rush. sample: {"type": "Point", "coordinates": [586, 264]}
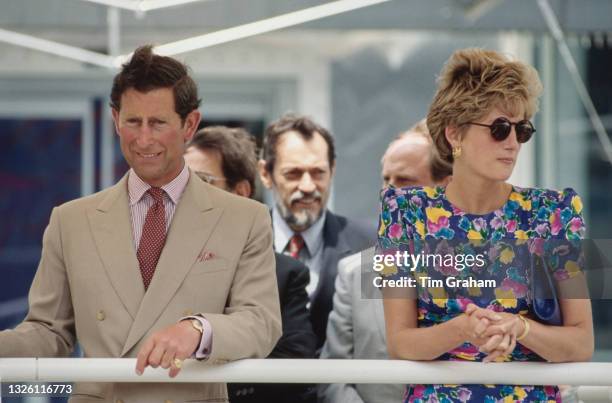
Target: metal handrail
{"type": "Point", "coordinates": [309, 371]}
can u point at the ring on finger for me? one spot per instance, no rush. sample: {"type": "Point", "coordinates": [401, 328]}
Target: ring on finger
{"type": "Point", "coordinates": [178, 363]}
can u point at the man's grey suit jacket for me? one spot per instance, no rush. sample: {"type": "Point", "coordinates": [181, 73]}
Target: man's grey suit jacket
{"type": "Point", "coordinates": [356, 330]}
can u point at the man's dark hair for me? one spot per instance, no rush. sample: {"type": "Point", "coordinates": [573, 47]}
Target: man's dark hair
{"type": "Point", "coordinates": [303, 125]}
{"type": "Point", "coordinates": [237, 149]}
{"type": "Point", "coordinates": [146, 71]}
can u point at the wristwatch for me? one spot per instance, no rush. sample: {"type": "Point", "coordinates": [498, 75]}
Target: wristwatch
{"type": "Point", "coordinates": [197, 325]}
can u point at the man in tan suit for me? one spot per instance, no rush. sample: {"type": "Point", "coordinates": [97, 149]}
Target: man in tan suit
{"type": "Point", "coordinates": [161, 266]}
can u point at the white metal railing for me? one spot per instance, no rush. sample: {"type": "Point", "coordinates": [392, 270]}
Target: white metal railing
{"type": "Point", "coordinates": [309, 371]}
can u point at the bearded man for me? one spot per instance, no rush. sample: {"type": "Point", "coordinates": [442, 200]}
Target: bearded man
{"type": "Point", "coordinates": [297, 165]}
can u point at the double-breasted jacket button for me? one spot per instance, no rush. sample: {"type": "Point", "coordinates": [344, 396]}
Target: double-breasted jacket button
{"type": "Point", "coordinates": [101, 316]}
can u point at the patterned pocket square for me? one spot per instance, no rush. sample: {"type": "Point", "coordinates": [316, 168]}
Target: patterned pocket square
{"type": "Point", "coordinates": [205, 256]}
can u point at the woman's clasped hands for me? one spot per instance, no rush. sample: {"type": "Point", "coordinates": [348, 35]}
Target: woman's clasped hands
{"type": "Point", "coordinates": [494, 333]}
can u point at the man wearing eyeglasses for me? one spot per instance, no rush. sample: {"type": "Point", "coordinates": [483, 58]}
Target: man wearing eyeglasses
{"type": "Point", "coordinates": [226, 158]}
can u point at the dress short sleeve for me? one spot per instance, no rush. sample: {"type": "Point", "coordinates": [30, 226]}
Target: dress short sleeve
{"type": "Point", "coordinates": [401, 226]}
{"type": "Point", "coordinates": [567, 229]}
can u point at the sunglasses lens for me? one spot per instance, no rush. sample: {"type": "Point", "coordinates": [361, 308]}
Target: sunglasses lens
{"type": "Point", "coordinates": [500, 129]}
{"type": "Point", "coordinates": [524, 131]}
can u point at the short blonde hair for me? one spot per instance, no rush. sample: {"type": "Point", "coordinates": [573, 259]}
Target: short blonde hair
{"type": "Point", "coordinates": [471, 83]}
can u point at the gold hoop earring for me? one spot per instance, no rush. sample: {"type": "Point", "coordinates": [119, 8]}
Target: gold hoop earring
{"type": "Point", "coordinates": [456, 152]}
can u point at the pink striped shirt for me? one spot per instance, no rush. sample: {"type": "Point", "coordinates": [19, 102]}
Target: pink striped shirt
{"type": "Point", "coordinates": [140, 202]}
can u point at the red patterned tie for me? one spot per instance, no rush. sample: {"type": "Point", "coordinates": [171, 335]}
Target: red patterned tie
{"type": "Point", "coordinates": [153, 237]}
{"type": "Point", "coordinates": [296, 243]}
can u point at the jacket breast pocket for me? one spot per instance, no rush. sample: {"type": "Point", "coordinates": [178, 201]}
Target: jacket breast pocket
{"type": "Point", "coordinates": [211, 266]}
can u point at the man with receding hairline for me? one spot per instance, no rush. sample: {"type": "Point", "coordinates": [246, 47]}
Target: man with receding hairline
{"type": "Point", "coordinates": [410, 160]}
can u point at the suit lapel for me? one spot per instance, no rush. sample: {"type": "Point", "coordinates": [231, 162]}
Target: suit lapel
{"type": "Point", "coordinates": [369, 296]}
{"type": "Point", "coordinates": [334, 249]}
{"type": "Point", "coordinates": [376, 300]}
{"type": "Point", "coordinates": [112, 233]}
{"type": "Point", "coordinates": [379, 317]}
{"type": "Point", "coordinates": [195, 219]}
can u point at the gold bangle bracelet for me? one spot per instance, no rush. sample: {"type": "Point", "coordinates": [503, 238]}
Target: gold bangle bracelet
{"type": "Point", "coordinates": [526, 322]}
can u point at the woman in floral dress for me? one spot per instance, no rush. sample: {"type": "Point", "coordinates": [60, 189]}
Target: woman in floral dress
{"type": "Point", "coordinates": [478, 120]}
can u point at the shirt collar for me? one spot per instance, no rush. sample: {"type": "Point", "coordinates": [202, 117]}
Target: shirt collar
{"type": "Point", "coordinates": [174, 189]}
{"type": "Point", "coordinates": [282, 232]}
{"type": "Point", "coordinates": [313, 236]}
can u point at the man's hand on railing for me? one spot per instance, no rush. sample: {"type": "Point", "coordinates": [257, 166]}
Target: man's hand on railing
{"type": "Point", "coordinates": [168, 348]}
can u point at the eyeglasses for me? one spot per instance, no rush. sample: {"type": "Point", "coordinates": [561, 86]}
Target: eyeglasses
{"type": "Point", "coordinates": [501, 128]}
{"type": "Point", "coordinates": [208, 178]}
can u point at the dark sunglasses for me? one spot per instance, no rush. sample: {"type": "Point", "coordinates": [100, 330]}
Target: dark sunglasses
{"type": "Point", "coordinates": [501, 128]}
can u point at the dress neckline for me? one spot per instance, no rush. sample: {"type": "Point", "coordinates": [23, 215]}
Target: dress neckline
{"type": "Point", "coordinates": [457, 210]}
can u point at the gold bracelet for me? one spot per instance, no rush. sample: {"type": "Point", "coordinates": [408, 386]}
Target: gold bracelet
{"type": "Point", "coordinates": [526, 322]}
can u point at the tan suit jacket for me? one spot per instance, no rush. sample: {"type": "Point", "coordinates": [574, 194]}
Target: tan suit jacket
{"type": "Point", "coordinates": [88, 287]}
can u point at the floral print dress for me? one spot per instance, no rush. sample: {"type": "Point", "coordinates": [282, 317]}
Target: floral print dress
{"type": "Point", "coordinates": [412, 217]}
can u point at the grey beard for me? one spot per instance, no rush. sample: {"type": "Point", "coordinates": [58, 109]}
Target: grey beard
{"type": "Point", "coordinates": [296, 221]}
